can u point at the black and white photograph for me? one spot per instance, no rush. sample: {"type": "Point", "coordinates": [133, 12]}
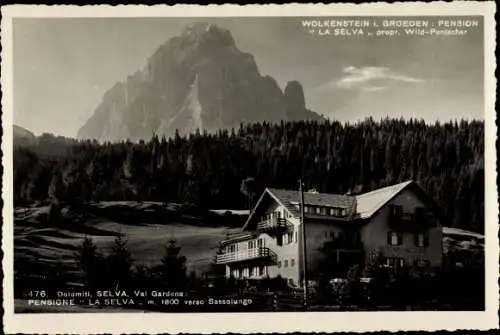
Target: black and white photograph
{"type": "Point", "coordinates": [248, 163]}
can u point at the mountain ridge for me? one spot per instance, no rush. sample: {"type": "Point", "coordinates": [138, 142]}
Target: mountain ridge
{"type": "Point", "coordinates": [22, 136]}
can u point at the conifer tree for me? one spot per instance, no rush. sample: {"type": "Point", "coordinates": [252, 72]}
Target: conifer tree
{"type": "Point", "coordinates": [172, 270]}
{"type": "Point", "coordinates": [90, 263]}
{"type": "Point", "coordinates": [119, 264]}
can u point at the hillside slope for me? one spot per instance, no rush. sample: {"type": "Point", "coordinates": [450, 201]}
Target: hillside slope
{"type": "Point", "coordinates": [51, 245]}
{"type": "Point", "coordinates": [22, 136]}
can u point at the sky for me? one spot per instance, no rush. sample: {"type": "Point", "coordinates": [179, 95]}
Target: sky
{"type": "Point", "coordinates": [63, 66]}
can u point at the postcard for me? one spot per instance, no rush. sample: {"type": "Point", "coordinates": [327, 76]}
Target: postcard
{"type": "Point", "coordinates": [245, 169]}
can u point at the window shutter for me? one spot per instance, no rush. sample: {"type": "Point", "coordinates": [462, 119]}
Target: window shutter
{"type": "Point", "coordinates": [389, 237]}
{"type": "Point", "coordinates": [426, 240]}
{"type": "Point", "coordinates": [279, 240]}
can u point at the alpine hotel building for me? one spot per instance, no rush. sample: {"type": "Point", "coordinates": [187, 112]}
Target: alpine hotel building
{"type": "Point", "coordinates": [399, 222]}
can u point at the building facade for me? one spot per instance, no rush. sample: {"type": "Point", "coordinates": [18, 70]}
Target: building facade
{"type": "Point", "coordinates": [399, 223]}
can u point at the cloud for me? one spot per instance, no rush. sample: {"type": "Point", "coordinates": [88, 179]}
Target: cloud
{"type": "Point", "coordinates": [374, 88]}
{"type": "Point", "coordinates": [360, 77]}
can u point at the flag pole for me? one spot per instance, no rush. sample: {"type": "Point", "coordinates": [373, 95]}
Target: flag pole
{"type": "Point", "coordinates": [304, 248]}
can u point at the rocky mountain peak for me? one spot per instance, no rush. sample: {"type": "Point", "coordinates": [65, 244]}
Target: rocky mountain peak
{"type": "Point", "coordinates": [209, 34]}
{"type": "Point", "coordinates": [197, 79]}
{"type": "Point", "coordinates": [294, 95]}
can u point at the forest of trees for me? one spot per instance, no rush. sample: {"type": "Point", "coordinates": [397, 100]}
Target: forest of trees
{"type": "Point", "coordinates": [207, 170]}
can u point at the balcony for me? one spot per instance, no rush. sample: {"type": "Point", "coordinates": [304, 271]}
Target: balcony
{"type": "Point", "coordinates": [273, 224]}
{"type": "Point", "coordinates": [247, 255]}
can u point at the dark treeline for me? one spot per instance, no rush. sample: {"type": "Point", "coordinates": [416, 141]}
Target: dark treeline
{"type": "Point", "coordinates": [207, 170]}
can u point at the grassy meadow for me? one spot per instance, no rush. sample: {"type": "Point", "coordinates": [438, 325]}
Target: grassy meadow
{"type": "Point", "coordinates": [197, 236]}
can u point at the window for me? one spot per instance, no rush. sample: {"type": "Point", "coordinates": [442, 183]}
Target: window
{"type": "Point", "coordinates": [260, 243]}
{"type": "Point", "coordinates": [395, 262]}
{"type": "Point", "coordinates": [236, 273]}
{"type": "Point", "coordinates": [296, 237]}
{"type": "Point", "coordinates": [292, 262]}
{"type": "Point", "coordinates": [332, 235]}
{"type": "Point", "coordinates": [336, 211]}
{"type": "Point", "coordinates": [252, 244]}
{"type": "Point", "coordinates": [290, 237]}
{"type": "Point", "coordinates": [324, 211]}
{"type": "Point", "coordinates": [396, 210]}
{"type": "Point", "coordinates": [261, 270]}
{"type": "Point", "coordinates": [255, 271]}
{"type": "Point", "coordinates": [421, 240]}
{"type": "Point", "coordinates": [394, 238]}
{"type": "Point", "coordinates": [232, 248]}
{"type": "Point", "coordinates": [318, 210]}
{"type": "Point", "coordinates": [285, 263]}
{"type": "Point", "coordinates": [246, 272]}
{"type": "Point", "coordinates": [279, 264]}
{"type": "Point", "coordinates": [306, 209]}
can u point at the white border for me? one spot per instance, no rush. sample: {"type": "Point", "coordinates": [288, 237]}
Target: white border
{"type": "Point", "coordinates": [255, 322]}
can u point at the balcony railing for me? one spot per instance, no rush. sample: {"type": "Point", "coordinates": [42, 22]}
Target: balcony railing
{"type": "Point", "coordinates": [272, 224]}
{"type": "Point", "coordinates": [241, 256]}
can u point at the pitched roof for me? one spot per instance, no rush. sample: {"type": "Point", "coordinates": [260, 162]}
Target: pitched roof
{"type": "Point", "coordinates": [238, 236]}
{"type": "Point", "coordinates": [369, 203]}
{"type": "Point", "coordinates": [290, 198]}
{"type": "Point", "coordinates": [362, 206]}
